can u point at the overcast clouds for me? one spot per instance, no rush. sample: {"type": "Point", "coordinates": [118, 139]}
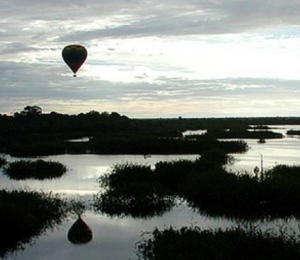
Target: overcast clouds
{"type": "Point", "coordinates": [153, 58]}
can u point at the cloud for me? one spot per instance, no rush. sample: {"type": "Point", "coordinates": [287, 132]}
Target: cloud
{"type": "Point", "coordinates": [172, 18]}
{"type": "Point", "coordinates": [77, 20]}
{"type": "Point", "coordinates": [164, 55]}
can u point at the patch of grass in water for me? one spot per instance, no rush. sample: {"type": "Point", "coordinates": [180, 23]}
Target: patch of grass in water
{"type": "Point", "coordinates": [39, 169]}
{"type": "Point", "coordinates": [205, 184]}
{"type": "Point", "coordinates": [134, 190]}
{"type": "Point", "coordinates": [234, 243]}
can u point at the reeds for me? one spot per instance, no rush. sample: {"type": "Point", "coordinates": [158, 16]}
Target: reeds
{"type": "Point", "coordinates": [205, 185]}
{"type": "Point", "coordinates": [234, 243]}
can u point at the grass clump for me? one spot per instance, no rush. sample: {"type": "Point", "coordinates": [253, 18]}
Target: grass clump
{"type": "Point", "coordinates": [221, 193]}
{"type": "Point", "coordinates": [40, 170]}
{"type": "Point", "coordinates": [281, 189]}
{"type": "Point", "coordinates": [132, 189]}
{"type": "Point", "coordinates": [205, 184]}
{"type": "Point", "coordinates": [235, 243]}
{"type": "Point", "coordinates": [26, 214]}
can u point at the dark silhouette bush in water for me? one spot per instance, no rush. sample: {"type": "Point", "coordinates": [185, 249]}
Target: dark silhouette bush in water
{"type": "Point", "coordinates": [205, 184]}
{"type": "Point", "coordinates": [132, 189]}
{"type": "Point", "coordinates": [39, 169]}
{"type": "Point", "coordinates": [25, 215]}
{"type": "Point", "coordinates": [236, 243]}
{"type": "Point", "coordinates": [281, 190]}
{"type": "Point", "coordinates": [221, 193]}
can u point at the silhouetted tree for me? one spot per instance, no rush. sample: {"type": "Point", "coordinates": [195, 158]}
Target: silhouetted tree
{"type": "Point", "coordinates": [31, 110]}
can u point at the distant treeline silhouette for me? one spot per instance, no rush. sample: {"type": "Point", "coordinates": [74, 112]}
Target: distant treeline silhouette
{"type": "Point", "coordinates": [112, 133]}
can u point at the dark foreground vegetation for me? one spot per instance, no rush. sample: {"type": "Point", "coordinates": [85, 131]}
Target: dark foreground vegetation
{"type": "Point", "coordinates": [39, 169]}
{"type": "Point", "coordinates": [204, 183]}
{"type": "Point", "coordinates": [139, 191]}
{"type": "Point", "coordinates": [24, 215]}
{"type": "Point", "coordinates": [31, 134]}
{"type": "Point", "coordinates": [3, 161]}
{"type": "Point", "coordinates": [236, 243]}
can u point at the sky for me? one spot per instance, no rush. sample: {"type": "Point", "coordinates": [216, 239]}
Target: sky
{"type": "Point", "coordinates": [152, 59]}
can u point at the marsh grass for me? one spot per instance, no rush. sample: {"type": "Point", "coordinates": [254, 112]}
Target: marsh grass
{"type": "Point", "coordinates": [281, 189]}
{"type": "Point", "coordinates": [205, 184]}
{"type": "Point", "coordinates": [234, 243]}
{"type": "Point", "coordinates": [221, 193]}
{"type": "Point", "coordinates": [134, 190]}
{"type": "Point", "coordinates": [38, 169]}
{"type": "Point", "coordinates": [25, 215]}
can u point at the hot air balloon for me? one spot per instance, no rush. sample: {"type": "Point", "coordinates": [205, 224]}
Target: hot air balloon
{"type": "Point", "coordinates": [74, 56]}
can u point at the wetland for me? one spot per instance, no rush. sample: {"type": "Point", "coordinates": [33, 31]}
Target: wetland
{"type": "Point", "coordinates": [131, 203]}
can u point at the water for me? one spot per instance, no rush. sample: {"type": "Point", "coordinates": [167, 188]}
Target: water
{"type": "Point", "coordinates": [114, 237]}
{"type": "Point", "coordinates": [83, 171]}
{"type": "Point", "coordinates": [273, 152]}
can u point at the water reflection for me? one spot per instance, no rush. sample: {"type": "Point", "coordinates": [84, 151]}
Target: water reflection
{"type": "Point", "coordinates": [80, 232]}
{"type": "Point", "coordinates": [133, 190]}
{"type": "Point", "coordinates": [25, 215]}
{"type": "Point", "coordinates": [120, 203]}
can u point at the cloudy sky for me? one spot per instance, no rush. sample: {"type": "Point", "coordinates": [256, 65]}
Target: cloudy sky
{"type": "Point", "coordinates": [192, 58]}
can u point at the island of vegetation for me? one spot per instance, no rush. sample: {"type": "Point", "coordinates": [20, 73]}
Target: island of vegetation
{"type": "Point", "coordinates": [39, 169]}
{"type": "Point", "coordinates": [293, 132]}
{"type": "Point", "coordinates": [138, 190]}
{"type": "Point", "coordinates": [141, 192]}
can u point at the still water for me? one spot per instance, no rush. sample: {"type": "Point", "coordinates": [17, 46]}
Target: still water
{"type": "Point", "coordinates": [114, 238]}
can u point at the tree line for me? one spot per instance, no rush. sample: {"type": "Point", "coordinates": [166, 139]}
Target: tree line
{"type": "Point", "coordinates": [35, 133]}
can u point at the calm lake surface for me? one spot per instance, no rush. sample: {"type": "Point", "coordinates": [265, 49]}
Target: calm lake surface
{"type": "Point", "coordinates": [114, 238]}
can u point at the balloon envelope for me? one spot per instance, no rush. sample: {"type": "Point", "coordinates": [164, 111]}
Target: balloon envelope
{"type": "Point", "coordinates": [74, 56]}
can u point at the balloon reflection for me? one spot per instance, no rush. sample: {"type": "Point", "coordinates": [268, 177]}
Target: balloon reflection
{"type": "Point", "coordinates": [80, 232]}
